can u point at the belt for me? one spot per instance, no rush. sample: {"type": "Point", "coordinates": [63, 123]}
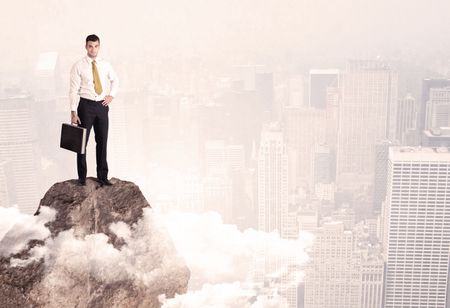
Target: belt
{"type": "Point", "coordinates": [90, 100]}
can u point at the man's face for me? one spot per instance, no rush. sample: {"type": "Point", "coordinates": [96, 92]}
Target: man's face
{"type": "Point", "coordinates": [92, 48]}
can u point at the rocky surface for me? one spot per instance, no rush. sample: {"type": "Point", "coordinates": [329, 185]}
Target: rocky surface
{"type": "Point", "coordinates": [105, 250]}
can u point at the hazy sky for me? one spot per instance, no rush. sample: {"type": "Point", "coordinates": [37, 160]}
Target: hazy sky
{"type": "Point", "coordinates": [313, 30]}
{"type": "Point", "coordinates": [324, 28]}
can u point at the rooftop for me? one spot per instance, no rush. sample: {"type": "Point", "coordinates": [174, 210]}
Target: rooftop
{"type": "Point", "coordinates": [419, 153]}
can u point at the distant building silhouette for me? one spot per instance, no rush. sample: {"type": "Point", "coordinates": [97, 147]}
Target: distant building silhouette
{"type": "Point", "coordinates": [18, 146]}
{"type": "Point", "coordinates": [367, 114]}
{"type": "Point", "coordinates": [427, 85]}
{"type": "Point", "coordinates": [406, 130]}
{"type": "Point", "coordinates": [319, 82]}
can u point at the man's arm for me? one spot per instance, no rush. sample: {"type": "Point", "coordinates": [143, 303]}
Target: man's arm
{"type": "Point", "coordinates": [114, 82]}
{"type": "Point", "coordinates": [112, 76]}
{"type": "Point", "coordinates": [75, 82]}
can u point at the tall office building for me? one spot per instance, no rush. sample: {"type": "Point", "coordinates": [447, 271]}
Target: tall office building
{"type": "Point", "coordinates": [50, 102]}
{"type": "Point", "coordinates": [343, 272]}
{"type": "Point", "coordinates": [273, 213]}
{"type": "Point", "coordinates": [333, 278]}
{"type": "Point", "coordinates": [332, 117]}
{"type": "Point", "coordinates": [372, 278]}
{"type": "Point", "coordinates": [305, 129]}
{"type": "Point", "coordinates": [272, 181]}
{"type": "Point", "coordinates": [47, 81]}
{"type": "Point", "coordinates": [427, 85]}
{"type": "Point", "coordinates": [215, 161]}
{"type": "Point", "coordinates": [367, 114]}
{"type": "Point", "coordinates": [319, 82]}
{"type": "Point", "coordinates": [272, 198]}
{"type": "Point", "coordinates": [438, 108]}
{"type": "Point", "coordinates": [290, 279]}
{"type": "Point", "coordinates": [323, 165]}
{"type": "Point", "coordinates": [406, 120]}
{"type": "Point", "coordinates": [18, 145]}
{"type": "Point", "coordinates": [292, 226]}
{"type": "Point", "coordinates": [221, 158]}
{"type": "Point", "coordinates": [118, 141]}
{"type": "Point", "coordinates": [224, 170]}
{"type": "Point", "coordinates": [416, 238]}
{"type": "Point", "coordinates": [380, 174]}
{"type": "Point", "coordinates": [235, 156]}
{"type": "Point", "coordinates": [7, 194]}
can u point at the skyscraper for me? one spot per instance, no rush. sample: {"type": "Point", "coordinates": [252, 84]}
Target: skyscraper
{"type": "Point", "coordinates": [380, 174]}
{"type": "Point", "coordinates": [18, 145]}
{"type": "Point", "coordinates": [305, 129]}
{"type": "Point", "coordinates": [343, 272]}
{"type": "Point", "coordinates": [417, 227]}
{"type": "Point", "coordinates": [221, 158]}
{"type": "Point", "coordinates": [7, 195]}
{"type": "Point", "coordinates": [438, 108]}
{"type": "Point", "coordinates": [272, 181]}
{"type": "Point", "coordinates": [427, 85]}
{"type": "Point", "coordinates": [118, 152]}
{"type": "Point", "coordinates": [323, 165]}
{"type": "Point", "coordinates": [372, 274]}
{"type": "Point", "coordinates": [319, 82]}
{"type": "Point", "coordinates": [406, 120]}
{"type": "Point", "coordinates": [332, 117]}
{"type": "Point", "coordinates": [333, 278]}
{"type": "Point", "coordinates": [273, 212]}
{"type": "Point", "coordinates": [367, 114]}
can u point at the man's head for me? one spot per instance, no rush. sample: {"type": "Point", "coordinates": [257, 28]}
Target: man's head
{"type": "Point", "coordinates": [92, 45]}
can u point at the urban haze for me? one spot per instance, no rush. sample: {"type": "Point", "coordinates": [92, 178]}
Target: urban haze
{"type": "Point", "coordinates": [297, 152]}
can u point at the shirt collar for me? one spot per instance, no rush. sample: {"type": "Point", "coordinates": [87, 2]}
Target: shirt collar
{"type": "Point", "coordinates": [98, 59]}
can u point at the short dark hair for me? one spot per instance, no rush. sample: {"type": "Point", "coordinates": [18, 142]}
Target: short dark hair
{"type": "Point", "coordinates": [92, 38]}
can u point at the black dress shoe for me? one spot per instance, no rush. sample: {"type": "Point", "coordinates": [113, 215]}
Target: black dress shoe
{"type": "Point", "coordinates": [82, 182]}
{"type": "Point", "coordinates": [104, 182]}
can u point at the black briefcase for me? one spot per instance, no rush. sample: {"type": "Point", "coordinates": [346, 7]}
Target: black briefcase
{"type": "Point", "coordinates": [73, 138]}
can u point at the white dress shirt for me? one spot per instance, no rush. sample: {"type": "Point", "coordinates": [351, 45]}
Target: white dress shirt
{"type": "Point", "coordinates": [82, 81]}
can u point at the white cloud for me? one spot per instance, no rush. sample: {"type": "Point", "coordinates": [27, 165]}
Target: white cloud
{"type": "Point", "coordinates": [220, 258]}
{"type": "Point", "coordinates": [216, 252]}
{"type": "Point", "coordinates": [219, 255]}
{"type": "Point", "coordinates": [145, 256]}
{"type": "Point", "coordinates": [224, 295]}
{"type": "Point", "coordinates": [16, 228]}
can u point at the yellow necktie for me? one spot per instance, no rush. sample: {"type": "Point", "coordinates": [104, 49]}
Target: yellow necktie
{"type": "Point", "coordinates": [97, 83]}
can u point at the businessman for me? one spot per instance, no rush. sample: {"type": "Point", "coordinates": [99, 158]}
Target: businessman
{"type": "Point", "coordinates": [89, 103]}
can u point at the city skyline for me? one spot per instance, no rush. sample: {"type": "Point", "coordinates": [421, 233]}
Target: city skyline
{"type": "Point", "coordinates": [298, 153]}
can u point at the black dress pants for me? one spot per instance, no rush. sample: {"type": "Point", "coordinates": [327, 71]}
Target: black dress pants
{"type": "Point", "coordinates": [93, 113]}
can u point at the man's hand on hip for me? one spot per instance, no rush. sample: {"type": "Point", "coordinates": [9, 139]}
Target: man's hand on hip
{"type": "Point", "coordinates": [108, 100]}
{"type": "Point", "coordinates": [75, 118]}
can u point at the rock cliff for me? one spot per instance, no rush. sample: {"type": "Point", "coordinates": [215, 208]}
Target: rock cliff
{"type": "Point", "coordinates": [103, 248]}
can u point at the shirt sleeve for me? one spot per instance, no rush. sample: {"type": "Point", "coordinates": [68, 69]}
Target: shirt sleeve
{"type": "Point", "coordinates": [114, 81]}
{"type": "Point", "coordinates": [75, 82]}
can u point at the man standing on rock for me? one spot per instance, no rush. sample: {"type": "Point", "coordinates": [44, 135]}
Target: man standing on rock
{"type": "Point", "coordinates": [88, 79]}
